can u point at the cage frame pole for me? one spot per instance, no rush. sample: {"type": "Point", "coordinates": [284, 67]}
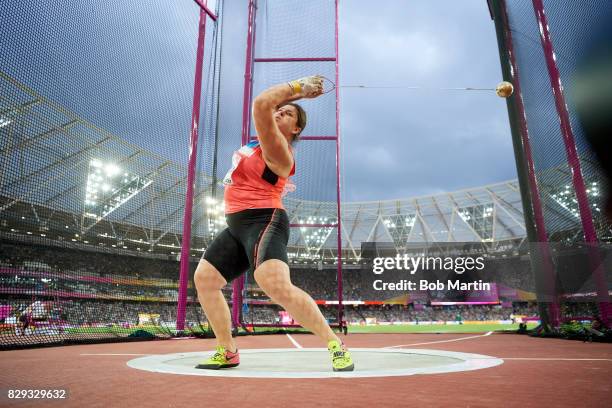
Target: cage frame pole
{"type": "Point", "coordinates": [528, 183]}
{"type": "Point", "coordinates": [573, 160]}
{"type": "Point", "coordinates": [338, 198]}
{"type": "Point", "coordinates": [238, 284]}
{"type": "Point", "coordinates": [191, 170]}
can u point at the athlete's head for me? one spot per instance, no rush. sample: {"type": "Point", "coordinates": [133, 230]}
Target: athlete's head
{"type": "Point", "coordinates": [291, 120]}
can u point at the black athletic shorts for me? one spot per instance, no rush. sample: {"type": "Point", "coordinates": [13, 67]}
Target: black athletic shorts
{"type": "Point", "coordinates": [252, 237]}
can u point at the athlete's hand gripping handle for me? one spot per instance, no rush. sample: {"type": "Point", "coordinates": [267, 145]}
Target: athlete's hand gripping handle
{"type": "Point", "coordinates": [307, 87]}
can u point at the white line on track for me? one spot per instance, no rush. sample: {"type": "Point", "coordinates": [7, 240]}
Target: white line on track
{"type": "Point", "coordinates": [113, 354]}
{"type": "Point", "coordinates": [442, 341]}
{"type": "Point", "coordinates": [295, 343]}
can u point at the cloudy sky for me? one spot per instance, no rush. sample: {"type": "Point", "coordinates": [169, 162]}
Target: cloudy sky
{"type": "Point", "coordinates": [403, 143]}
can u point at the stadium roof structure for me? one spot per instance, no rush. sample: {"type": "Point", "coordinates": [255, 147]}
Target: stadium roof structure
{"type": "Point", "coordinates": [485, 214]}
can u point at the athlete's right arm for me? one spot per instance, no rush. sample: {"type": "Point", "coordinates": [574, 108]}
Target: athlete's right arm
{"type": "Point", "coordinates": [273, 143]}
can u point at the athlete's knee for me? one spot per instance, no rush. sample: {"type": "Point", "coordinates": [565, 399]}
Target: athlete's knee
{"type": "Point", "coordinates": [208, 278]}
{"type": "Point", "coordinates": [280, 293]}
{"type": "Point", "coordinates": [272, 277]}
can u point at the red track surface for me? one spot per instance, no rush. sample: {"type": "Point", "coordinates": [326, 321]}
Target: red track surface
{"type": "Point", "coordinates": [103, 381]}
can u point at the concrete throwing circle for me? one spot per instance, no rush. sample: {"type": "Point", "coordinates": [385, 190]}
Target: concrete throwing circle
{"type": "Point", "coordinates": [315, 363]}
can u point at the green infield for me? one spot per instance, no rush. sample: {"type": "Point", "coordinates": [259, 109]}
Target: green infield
{"type": "Point", "coordinates": [421, 328]}
{"type": "Point", "coordinates": [436, 328]}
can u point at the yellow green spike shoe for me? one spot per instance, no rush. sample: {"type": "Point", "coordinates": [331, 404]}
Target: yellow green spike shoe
{"type": "Point", "coordinates": [221, 359]}
{"type": "Point", "coordinates": [341, 358]}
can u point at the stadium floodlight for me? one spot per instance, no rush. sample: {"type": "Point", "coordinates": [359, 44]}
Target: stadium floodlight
{"type": "Point", "coordinates": [410, 220]}
{"type": "Point", "coordinates": [566, 198]}
{"type": "Point", "coordinates": [389, 224]}
{"type": "Point", "coordinates": [109, 187]}
{"type": "Point", "coordinates": [315, 238]}
{"type": "Point", "coordinates": [465, 216]}
{"type": "Point", "coordinates": [480, 219]}
{"type": "Point", "coordinates": [111, 170]}
{"type": "Point", "coordinates": [399, 227]}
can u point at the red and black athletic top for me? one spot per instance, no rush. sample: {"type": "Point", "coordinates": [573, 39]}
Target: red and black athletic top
{"type": "Point", "coordinates": [250, 183]}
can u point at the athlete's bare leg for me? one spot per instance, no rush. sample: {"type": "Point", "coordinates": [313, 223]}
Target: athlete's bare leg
{"type": "Point", "coordinates": [209, 283]}
{"type": "Point", "coordinates": [273, 277]}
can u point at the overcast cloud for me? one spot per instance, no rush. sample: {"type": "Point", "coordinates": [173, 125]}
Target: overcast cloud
{"type": "Point", "coordinates": [403, 143]}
